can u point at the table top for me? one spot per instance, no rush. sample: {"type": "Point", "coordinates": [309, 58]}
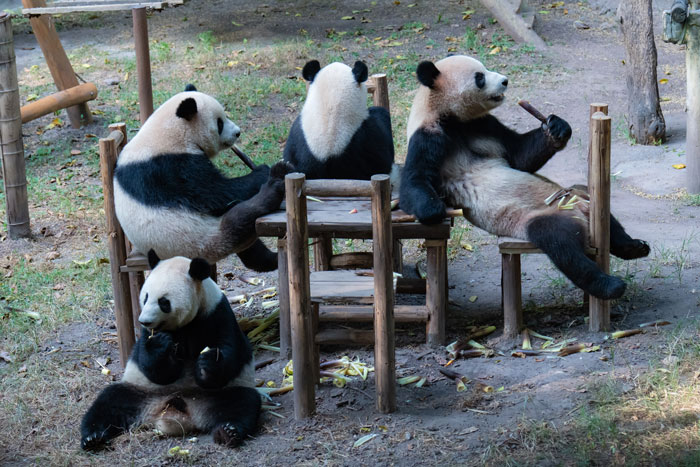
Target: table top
{"type": "Point", "coordinates": [336, 217]}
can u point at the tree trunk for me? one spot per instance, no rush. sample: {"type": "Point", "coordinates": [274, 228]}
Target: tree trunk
{"type": "Point", "coordinates": [646, 122]}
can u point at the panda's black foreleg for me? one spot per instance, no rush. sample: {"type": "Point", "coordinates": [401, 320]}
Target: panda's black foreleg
{"type": "Point", "coordinates": [117, 408]}
{"type": "Point", "coordinates": [258, 257]}
{"type": "Point", "coordinates": [530, 151]}
{"type": "Point", "coordinates": [233, 414]}
{"type": "Point", "coordinates": [562, 239]}
{"type": "Point", "coordinates": [622, 245]}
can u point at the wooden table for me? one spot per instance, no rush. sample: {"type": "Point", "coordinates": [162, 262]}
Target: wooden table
{"type": "Point", "coordinates": [332, 218]}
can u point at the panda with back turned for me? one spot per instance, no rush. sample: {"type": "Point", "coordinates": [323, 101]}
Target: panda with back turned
{"type": "Point", "coordinates": [192, 370]}
{"type": "Point", "coordinates": [460, 155]}
{"type": "Point", "coordinates": [171, 198]}
{"type": "Point", "coordinates": [337, 135]}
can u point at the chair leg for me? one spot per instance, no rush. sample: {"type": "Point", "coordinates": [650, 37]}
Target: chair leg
{"type": "Point", "coordinates": [323, 251]}
{"type": "Point", "coordinates": [397, 256]}
{"type": "Point", "coordinates": [316, 347]}
{"type": "Point", "coordinates": [283, 290]}
{"type": "Point", "coordinates": [435, 291]}
{"type": "Point", "coordinates": [136, 280]}
{"type": "Point", "coordinates": [512, 295]}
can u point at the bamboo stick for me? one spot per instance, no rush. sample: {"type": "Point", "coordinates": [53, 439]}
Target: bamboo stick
{"type": "Point", "coordinates": [11, 143]}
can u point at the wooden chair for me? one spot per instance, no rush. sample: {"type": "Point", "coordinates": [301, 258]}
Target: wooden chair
{"type": "Point", "coordinates": [307, 290]}
{"type": "Point", "coordinates": [599, 247]}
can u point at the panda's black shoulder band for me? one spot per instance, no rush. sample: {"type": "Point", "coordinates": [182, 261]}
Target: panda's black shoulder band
{"type": "Point", "coordinates": [427, 72]}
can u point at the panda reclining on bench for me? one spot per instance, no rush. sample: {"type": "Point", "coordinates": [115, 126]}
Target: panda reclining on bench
{"type": "Point", "coordinates": [461, 155]}
{"type": "Point", "coordinates": [191, 370]}
{"type": "Point", "coordinates": [171, 198]}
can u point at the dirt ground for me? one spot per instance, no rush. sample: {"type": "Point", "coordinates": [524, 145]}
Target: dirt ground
{"type": "Point", "coordinates": [434, 424]}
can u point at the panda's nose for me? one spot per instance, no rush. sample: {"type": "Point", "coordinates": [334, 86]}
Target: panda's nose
{"type": "Point", "coordinates": [237, 133]}
{"type": "Point", "coordinates": [505, 82]}
{"type": "Point", "coordinates": [147, 324]}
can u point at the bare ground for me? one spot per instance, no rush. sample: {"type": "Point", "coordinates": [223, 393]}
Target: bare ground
{"type": "Point", "coordinates": [42, 405]}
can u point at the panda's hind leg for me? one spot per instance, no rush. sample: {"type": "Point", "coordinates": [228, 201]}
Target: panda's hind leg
{"type": "Point", "coordinates": [562, 239]}
{"type": "Point", "coordinates": [231, 415]}
{"type": "Point", "coordinates": [622, 245]}
{"type": "Point", "coordinates": [258, 257]}
{"type": "Point", "coordinates": [117, 408]}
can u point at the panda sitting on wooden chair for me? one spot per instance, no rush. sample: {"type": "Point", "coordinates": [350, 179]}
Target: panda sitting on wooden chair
{"type": "Point", "coordinates": [191, 370]}
{"type": "Point", "coordinates": [171, 198]}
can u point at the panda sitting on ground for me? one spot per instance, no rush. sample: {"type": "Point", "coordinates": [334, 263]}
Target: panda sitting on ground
{"type": "Point", "coordinates": [461, 155]}
{"type": "Point", "coordinates": [170, 197]}
{"type": "Point", "coordinates": [191, 370]}
{"type": "Point", "coordinates": [336, 135]}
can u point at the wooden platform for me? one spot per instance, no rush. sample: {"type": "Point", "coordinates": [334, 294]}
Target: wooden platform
{"type": "Point", "coordinates": [80, 6]}
{"type": "Point", "coordinates": [343, 286]}
{"type": "Point", "coordinates": [514, 246]}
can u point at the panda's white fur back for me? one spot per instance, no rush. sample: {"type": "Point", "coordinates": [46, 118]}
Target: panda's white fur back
{"type": "Point", "coordinates": [335, 107]}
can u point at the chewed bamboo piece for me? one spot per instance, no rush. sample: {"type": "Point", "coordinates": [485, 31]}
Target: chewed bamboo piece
{"type": "Point", "coordinates": [411, 218]}
{"type": "Point", "coordinates": [532, 111]}
{"type": "Point", "coordinates": [244, 157]}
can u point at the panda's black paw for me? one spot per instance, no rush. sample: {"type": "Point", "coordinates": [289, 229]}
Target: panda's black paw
{"type": "Point", "coordinates": [227, 435]}
{"type": "Point", "coordinates": [208, 369]}
{"type": "Point", "coordinates": [558, 131]}
{"type": "Point", "coordinates": [160, 342]}
{"type": "Point", "coordinates": [606, 287]}
{"type": "Point", "coordinates": [280, 169]}
{"type": "Point", "coordinates": [93, 442]}
{"type": "Point", "coordinates": [430, 213]}
{"type": "Point", "coordinates": [631, 250]}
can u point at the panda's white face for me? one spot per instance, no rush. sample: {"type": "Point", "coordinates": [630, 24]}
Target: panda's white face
{"type": "Point", "coordinates": [170, 297]}
{"type": "Point", "coordinates": [188, 122]}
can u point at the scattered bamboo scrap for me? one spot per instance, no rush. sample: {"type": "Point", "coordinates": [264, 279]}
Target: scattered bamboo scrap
{"type": "Point", "coordinates": [638, 330]}
{"type": "Point", "coordinates": [562, 349]}
{"type": "Point", "coordinates": [340, 371]}
{"type": "Point", "coordinates": [468, 347]}
{"type": "Point", "coordinates": [460, 379]}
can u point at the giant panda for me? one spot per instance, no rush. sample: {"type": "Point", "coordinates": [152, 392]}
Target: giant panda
{"type": "Point", "coordinates": [191, 370]}
{"type": "Point", "coordinates": [460, 155]}
{"type": "Point", "coordinates": [170, 197]}
{"type": "Point", "coordinates": [336, 135]}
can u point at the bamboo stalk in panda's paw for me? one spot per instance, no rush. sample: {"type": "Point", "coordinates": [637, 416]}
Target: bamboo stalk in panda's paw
{"type": "Point", "coordinates": [533, 111]}
{"type": "Point", "coordinates": [450, 213]}
{"type": "Point", "coordinates": [244, 157]}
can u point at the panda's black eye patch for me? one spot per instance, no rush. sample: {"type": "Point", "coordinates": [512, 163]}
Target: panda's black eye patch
{"type": "Point", "coordinates": [479, 79]}
{"type": "Point", "coordinates": [220, 124]}
{"type": "Point", "coordinates": [164, 305]}
{"type": "Point", "coordinates": [145, 299]}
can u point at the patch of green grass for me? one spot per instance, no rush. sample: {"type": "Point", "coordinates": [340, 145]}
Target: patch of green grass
{"type": "Point", "coordinates": [207, 40]}
{"type": "Point", "coordinates": [692, 200]}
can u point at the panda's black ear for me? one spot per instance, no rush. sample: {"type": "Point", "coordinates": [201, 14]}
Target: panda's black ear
{"type": "Point", "coordinates": [199, 269]}
{"type": "Point", "coordinates": [153, 259]}
{"type": "Point", "coordinates": [427, 72]}
{"type": "Point", "coordinates": [190, 87]}
{"type": "Point", "coordinates": [310, 70]}
{"type": "Point", "coordinates": [187, 109]}
{"type": "Point", "coordinates": [359, 70]}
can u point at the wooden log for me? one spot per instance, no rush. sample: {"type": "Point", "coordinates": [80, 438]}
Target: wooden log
{"type": "Point", "coordinates": [299, 296]}
{"type": "Point", "coordinates": [380, 90]}
{"type": "Point", "coordinates": [57, 61]}
{"type": "Point", "coordinates": [344, 188]}
{"type": "Point", "coordinates": [365, 314]}
{"type": "Point", "coordinates": [143, 63]}
{"type": "Point", "coordinates": [58, 10]}
{"type": "Point", "coordinates": [450, 213]}
{"type": "Point", "coordinates": [692, 139]}
{"type": "Point", "coordinates": [11, 144]}
{"type": "Point", "coordinates": [353, 260]}
{"type": "Point", "coordinates": [340, 336]}
{"type": "Point", "coordinates": [599, 191]}
{"type": "Point", "coordinates": [436, 290]}
{"type": "Point", "coordinates": [646, 122]}
{"type": "Point", "coordinates": [283, 293]}
{"type": "Point", "coordinates": [514, 24]}
{"type": "Point", "coordinates": [511, 290]}
{"type": "Point", "coordinates": [115, 243]}
{"type": "Point", "coordinates": [59, 100]}
{"type": "Point", "coordinates": [316, 349]}
{"type": "Point", "coordinates": [384, 358]}
{"type": "Point", "coordinates": [323, 253]}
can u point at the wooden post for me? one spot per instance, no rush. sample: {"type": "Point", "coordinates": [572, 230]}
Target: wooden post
{"type": "Point", "coordinates": [57, 60]}
{"type": "Point", "coordinates": [143, 63]}
{"type": "Point", "coordinates": [323, 252]}
{"type": "Point", "coordinates": [283, 291]}
{"type": "Point", "coordinates": [511, 289]}
{"type": "Point", "coordinates": [435, 290]}
{"type": "Point", "coordinates": [384, 358]}
{"type": "Point", "coordinates": [300, 296]}
{"type": "Point", "coordinates": [115, 242]}
{"type": "Point", "coordinates": [692, 66]}
{"type": "Point", "coordinates": [514, 24]}
{"type": "Point", "coordinates": [57, 101]}
{"type": "Point", "coordinates": [599, 222]}
{"type": "Point", "coordinates": [380, 96]}
{"type": "Point", "coordinates": [13, 168]}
